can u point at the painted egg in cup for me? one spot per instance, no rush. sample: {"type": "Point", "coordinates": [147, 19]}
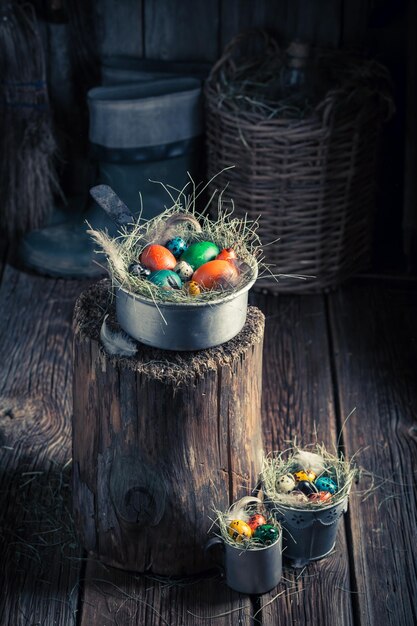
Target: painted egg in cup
{"type": "Point", "coordinates": [216, 275]}
{"type": "Point", "coordinates": [156, 257]}
{"type": "Point", "coordinates": [199, 253]}
{"type": "Point", "coordinates": [239, 530]}
{"type": "Point", "coordinates": [184, 270]}
{"type": "Point", "coordinates": [167, 279]}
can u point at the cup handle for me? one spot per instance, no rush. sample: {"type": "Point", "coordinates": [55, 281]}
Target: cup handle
{"type": "Point", "coordinates": [211, 543]}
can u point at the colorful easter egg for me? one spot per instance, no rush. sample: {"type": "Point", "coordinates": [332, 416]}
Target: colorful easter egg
{"type": "Point", "coordinates": [167, 279]}
{"type": "Point", "coordinates": [199, 253]}
{"type": "Point", "coordinates": [266, 534]}
{"type": "Point", "coordinates": [192, 288]}
{"type": "Point", "coordinates": [184, 270]}
{"type": "Point", "coordinates": [216, 274]}
{"type": "Point", "coordinates": [322, 497]}
{"type": "Point", "coordinates": [324, 483]}
{"type": "Point", "coordinates": [156, 257]}
{"type": "Point", "coordinates": [177, 246]}
{"type": "Point", "coordinates": [239, 530]}
{"type": "Point", "coordinates": [305, 475]}
{"type": "Point", "coordinates": [227, 254]}
{"type": "Point", "coordinates": [306, 487]}
{"type": "Point", "coordinates": [137, 269]}
{"type": "Point", "coordinates": [285, 484]}
{"type": "Point", "coordinates": [256, 520]}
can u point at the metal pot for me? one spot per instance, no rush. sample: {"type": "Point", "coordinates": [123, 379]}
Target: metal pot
{"type": "Point", "coordinates": [183, 326]}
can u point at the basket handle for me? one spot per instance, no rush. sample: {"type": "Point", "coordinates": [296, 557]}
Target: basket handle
{"type": "Point", "coordinates": [228, 53]}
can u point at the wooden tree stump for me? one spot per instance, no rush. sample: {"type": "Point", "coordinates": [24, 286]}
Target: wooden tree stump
{"type": "Point", "coordinates": [159, 440]}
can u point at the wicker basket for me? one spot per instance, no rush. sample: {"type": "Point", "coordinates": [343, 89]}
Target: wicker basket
{"type": "Point", "coordinates": [311, 180]}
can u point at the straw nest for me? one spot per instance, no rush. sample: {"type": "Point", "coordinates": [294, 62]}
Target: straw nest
{"type": "Point", "coordinates": [249, 82]}
{"type": "Point", "coordinates": [242, 510]}
{"type": "Point", "coordinates": [226, 231]}
{"type": "Point", "coordinates": [315, 457]}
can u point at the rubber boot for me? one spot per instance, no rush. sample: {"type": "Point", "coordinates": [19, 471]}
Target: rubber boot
{"type": "Point", "coordinates": [147, 130]}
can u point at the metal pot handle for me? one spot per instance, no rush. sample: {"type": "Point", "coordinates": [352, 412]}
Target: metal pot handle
{"type": "Point", "coordinates": [211, 543]}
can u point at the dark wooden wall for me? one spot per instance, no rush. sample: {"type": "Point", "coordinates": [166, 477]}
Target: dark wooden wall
{"type": "Point", "coordinates": [199, 29]}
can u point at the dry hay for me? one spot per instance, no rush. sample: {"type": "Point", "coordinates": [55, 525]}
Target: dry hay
{"type": "Point", "coordinates": [225, 231]}
{"type": "Point", "coordinates": [242, 510]}
{"type": "Point", "coordinates": [335, 466]}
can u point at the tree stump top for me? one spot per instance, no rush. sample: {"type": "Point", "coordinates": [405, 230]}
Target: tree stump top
{"type": "Point", "coordinates": [173, 368]}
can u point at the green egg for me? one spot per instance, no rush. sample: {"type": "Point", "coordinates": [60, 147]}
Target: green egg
{"type": "Point", "coordinates": [199, 253]}
{"type": "Point", "coordinates": [266, 533]}
{"type": "Point", "coordinates": [166, 279]}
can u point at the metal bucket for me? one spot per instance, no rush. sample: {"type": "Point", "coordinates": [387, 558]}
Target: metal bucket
{"type": "Point", "coordinates": [250, 571]}
{"type": "Point", "coordinates": [183, 326]}
{"type": "Point", "coordinates": [308, 535]}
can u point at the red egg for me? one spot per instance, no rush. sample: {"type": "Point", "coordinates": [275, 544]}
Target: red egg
{"type": "Point", "coordinates": [216, 274]}
{"type": "Point", "coordinates": [321, 497]}
{"type": "Point", "coordinates": [227, 254]}
{"type": "Point", "coordinates": [256, 520]}
{"type": "Point", "coordinates": [156, 257]}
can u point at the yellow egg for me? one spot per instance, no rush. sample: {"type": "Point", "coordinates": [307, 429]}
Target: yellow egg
{"type": "Point", "coordinates": [305, 475]}
{"type": "Point", "coordinates": [193, 288]}
{"type": "Point", "coordinates": [239, 530]}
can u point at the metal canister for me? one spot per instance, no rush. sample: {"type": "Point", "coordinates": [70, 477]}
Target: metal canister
{"type": "Point", "coordinates": [250, 571]}
{"type": "Point", "coordinates": [308, 534]}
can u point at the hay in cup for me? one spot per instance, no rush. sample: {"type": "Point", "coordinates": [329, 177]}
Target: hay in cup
{"type": "Point", "coordinates": [225, 231]}
{"type": "Point", "coordinates": [335, 466]}
{"type": "Point", "coordinates": [242, 510]}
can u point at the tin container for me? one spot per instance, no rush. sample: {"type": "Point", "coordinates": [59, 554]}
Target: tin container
{"type": "Point", "coordinates": [183, 326]}
{"type": "Point", "coordinates": [308, 535]}
{"type": "Point", "coordinates": [253, 571]}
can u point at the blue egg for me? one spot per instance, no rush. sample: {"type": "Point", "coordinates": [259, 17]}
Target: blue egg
{"type": "Point", "coordinates": [324, 483]}
{"type": "Point", "coordinates": [177, 246]}
{"type": "Point", "coordinates": [166, 279]}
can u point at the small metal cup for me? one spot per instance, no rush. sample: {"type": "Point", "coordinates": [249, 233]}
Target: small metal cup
{"type": "Point", "coordinates": [252, 571]}
{"type": "Point", "coordinates": [308, 535]}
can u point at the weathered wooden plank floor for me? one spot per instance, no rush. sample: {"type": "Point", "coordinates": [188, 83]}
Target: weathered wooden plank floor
{"type": "Point", "coordinates": [324, 356]}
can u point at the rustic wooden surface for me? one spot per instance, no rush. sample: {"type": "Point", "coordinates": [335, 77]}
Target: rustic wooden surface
{"type": "Point", "coordinates": [324, 356]}
{"type": "Point", "coordinates": [157, 445]}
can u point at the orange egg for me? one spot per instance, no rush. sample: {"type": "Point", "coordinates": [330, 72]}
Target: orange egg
{"type": "Point", "coordinates": [227, 254]}
{"type": "Point", "coordinates": [156, 257]}
{"type": "Point", "coordinates": [216, 274]}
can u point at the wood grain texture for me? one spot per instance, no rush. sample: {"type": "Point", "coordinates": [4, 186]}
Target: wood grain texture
{"type": "Point", "coordinates": [409, 223]}
{"type": "Point", "coordinates": [355, 22]}
{"type": "Point", "coordinates": [40, 564]}
{"type": "Point", "coordinates": [120, 27]}
{"type": "Point", "coordinates": [318, 22]}
{"type": "Point", "coordinates": [241, 15]}
{"type": "Point", "coordinates": [152, 454]}
{"type": "Point", "coordinates": [116, 597]}
{"type": "Point", "coordinates": [298, 402]}
{"type": "Point", "coordinates": [375, 339]}
{"type": "Point", "coordinates": [181, 30]}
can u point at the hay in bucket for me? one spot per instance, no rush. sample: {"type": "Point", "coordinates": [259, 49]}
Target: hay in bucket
{"type": "Point", "coordinates": [242, 510]}
{"type": "Point", "coordinates": [316, 457]}
{"type": "Point", "coordinates": [226, 231]}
